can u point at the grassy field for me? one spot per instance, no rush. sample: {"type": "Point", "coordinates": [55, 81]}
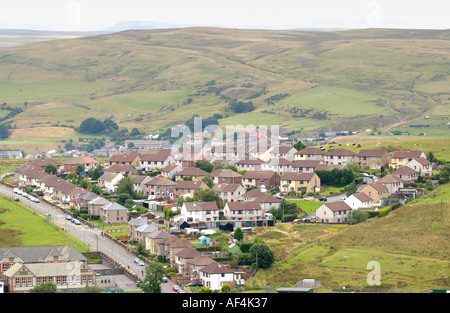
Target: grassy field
{"type": "Point", "coordinates": [439, 146]}
{"type": "Point", "coordinates": [155, 79]}
{"type": "Point", "coordinates": [410, 245]}
{"type": "Point", "coordinates": [37, 231]}
{"type": "Point", "coordinates": [307, 206]}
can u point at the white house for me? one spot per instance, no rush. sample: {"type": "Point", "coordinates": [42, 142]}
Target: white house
{"type": "Point", "coordinates": [392, 183]}
{"type": "Point", "coordinates": [359, 200]}
{"type": "Point", "coordinates": [333, 212]}
{"type": "Point", "coordinates": [200, 211]}
{"type": "Point", "coordinates": [421, 165]}
{"type": "Point", "coordinates": [109, 181]}
{"type": "Point", "coordinates": [242, 211]}
{"type": "Point", "coordinates": [214, 275]}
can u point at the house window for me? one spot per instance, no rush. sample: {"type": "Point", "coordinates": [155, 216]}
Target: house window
{"type": "Point", "coordinates": [58, 280]}
{"type": "Point", "coordinates": [38, 281]}
{"type": "Point", "coordinates": [18, 282]}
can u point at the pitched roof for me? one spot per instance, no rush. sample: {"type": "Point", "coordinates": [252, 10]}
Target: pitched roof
{"type": "Point", "coordinates": [126, 158]}
{"type": "Point", "coordinates": [224, 172]}
{"type": "Point", "coordinates": [282, 149]}
{"type": "Point", "coordinates": [404, 170]}
{"type": "Point", "coordinates": [250, 205]}
{"type": "Point", "coordinates": [156, 155]}
{"type": "Point", "coordinates": [371, 153]}
{"type": "Point", "coordinates": [378, 186]}
{"type": "Point", "coordinates": [390, 179]}
{"type": "Point", "coordinates": [188, 253]}
{"type": "Point", "coordinates": [118, 168]}
{"type": "Point", "coordinates": [361, 196]}
{"type": "Point", "coordinates": [340, 152]}
{"type": "Point", "coordinates": [250, 161]}
{"type": "Point", "coordinates": [306, 163]}
{"type": "Point", "coordinates": [138, 179]}
{"type": "Point", "coordinates": [406, 154]}
{"type": "Point", "coordinates": [422, 161]}
{"type": "Point", "coordinates": [226, 187]}
{"type": "Point", "coordinates": [181, 243]}
{"type": "Point", "coordinates": [337, 206]}
{"type": "Point", "coordinates": [311, 151]}
{"type": "Point", "coordinates": [188, 184]}
{"type": "Point", "coordinates": [169, 168]}
{"type": "Point", "coordinates": [37, 254]}
{"type": "Point", "coordinates": [297, 176]}
{"type": "Point", "coordinates": [259, 174]}
{"type": "Point", "coordinates": [201, 206]}
{"type": "Point", "coordinates": [192, 171]}
{"type": "Point", "coordinates": [216, 268]}
{"type": "Point", "coordinates": [160, 181]}
{"type": "Point", "coordinates": [114, 206]}
{"type": "Point", "coordinates": [159, 234]}
{"type": "Point", "coordinates": [81, 160]}
{"type": "Point", "coordinates": [108, 176]}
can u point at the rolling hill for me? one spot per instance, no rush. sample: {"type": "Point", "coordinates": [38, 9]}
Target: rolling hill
{"type": "Point", "coordinates": [308, 81]}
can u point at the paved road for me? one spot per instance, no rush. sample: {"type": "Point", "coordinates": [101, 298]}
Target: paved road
{"type": "Point", "coordinates": [89, 236]}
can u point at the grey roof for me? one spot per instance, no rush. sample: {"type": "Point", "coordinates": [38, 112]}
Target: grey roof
{"type": "Point", "coordinates": [148, 228]}
{"type": "Point", "coordinates": [138, 221]}
{"type": "Point", "coordinates": [49, 269]}
{"type": "Point", "coordinates": [41, 253]}
{"type": "Point", "coordinates": [114, 206]}
{"type": "Point", "coordinates": [99, 200]}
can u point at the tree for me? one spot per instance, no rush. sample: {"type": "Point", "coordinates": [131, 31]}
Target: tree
{"type": "Point", "coordinates": [4, 131]}
{"type": "Point", "coordinates": [238, 234]}
{"type": "Point", "coordinates": [126, 186]}
{"type": "Point", "coordinates": [154, 274]}
{"type": "Point", "coordinates": [48, 287]}
{"type": "Point", "coordinates": [208, 181]}
{"type": "Point", "coordinates": [431, 157]}
{"type": "Point", "coordinates": [204, 165]}
{"type": "Point", "coordinates": [226, 288]}
{"type": "Point", "coordinates": [50, 168]}
{"type": "Point", "coordinates": [91, 126]}
{"type": "Point", "coordinates": [204, 290]}
{"type": "Point", "coordinates": [351, 189]}
{"type": "Point", "coordinates": [96, 173]}
{"type": "Point", "coordinates": [299, 146]}
{"type": "Point", "coordinates": [206, 195]}
{"type": "Point", "coordinates": [358, 216]}
{"type": "Point", "coordinates": [261, 255]}
{"type": "Point", "coordinates": [80, 168]}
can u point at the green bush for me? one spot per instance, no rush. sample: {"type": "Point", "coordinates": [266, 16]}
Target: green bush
{"type": "Point", "coordinates": [384, 212]}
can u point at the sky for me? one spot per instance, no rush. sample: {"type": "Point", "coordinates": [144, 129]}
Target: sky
{"type": "Point", "coordinates": [81, 15]}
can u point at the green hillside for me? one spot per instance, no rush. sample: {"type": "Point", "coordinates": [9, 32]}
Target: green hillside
{"type": "Point", "coordinates": [310, 81]}
{"type": "Point", "coordinates": [410, 245]}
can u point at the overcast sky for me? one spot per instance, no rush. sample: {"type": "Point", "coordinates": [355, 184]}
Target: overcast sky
{"type": "Point", "coordinates": [275, 14]}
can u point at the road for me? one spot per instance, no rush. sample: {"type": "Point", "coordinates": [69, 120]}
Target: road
{"type": "Point", "coordinates": [89, 236]}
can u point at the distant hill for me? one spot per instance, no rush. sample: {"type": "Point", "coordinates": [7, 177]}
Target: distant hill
{"type": "Point", "coordinates": [304, 81]}
{"type": "Point", "coordinates": [141, 25]}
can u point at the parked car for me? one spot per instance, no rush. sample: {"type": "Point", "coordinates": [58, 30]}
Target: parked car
{"type": "Point", "coordinates": [175, 288]}
{"type": "Point", "coordinates": [323, 199]}
{"type": "Point", "coordinates": [366, 174]}
{"type": "Point", "coordinates": [195, 285]}
{"type": "Point", "coordinates": [165, 279]}
{"type": "Point", "coordinates": [16, 199]}
{"type": "Point", "coordinates": [16, 190]}
{"type": "Point", "coordinates": [76, 222]}
{"type": "Point", "coordinates": [68, 217]}
{"type": "Point", "coordinates": [278, 195]}
{"type": "Point", "coordinates": [309, 198]}
{"type": "Point", "coordinates": [343, 198]}
{"type": "Point", "coordinates": [364, 181]}
{"type": "Point", "coordinates": [181, 291]}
